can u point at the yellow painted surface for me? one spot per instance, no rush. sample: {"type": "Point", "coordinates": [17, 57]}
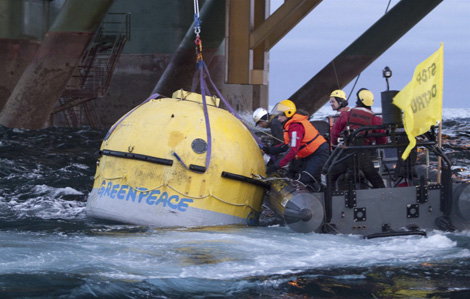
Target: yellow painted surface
{"type": "Point", "coordinates": [195, 97]}
{"type": "Point", "coordinates": [162, 127]}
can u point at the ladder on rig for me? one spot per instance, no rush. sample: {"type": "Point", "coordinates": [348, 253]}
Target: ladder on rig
{"type": "Point", "coordinates": [92, 76]}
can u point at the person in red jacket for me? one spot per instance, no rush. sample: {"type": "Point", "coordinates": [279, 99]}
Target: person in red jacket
{"type": "Point", "coordinates": [302, 142]}
{"type": "Point", "coordinates": [359, 116]}
{"type": "Point", "coordinates": [338, 101]}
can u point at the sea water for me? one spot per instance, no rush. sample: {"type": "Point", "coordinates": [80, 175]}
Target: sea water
{"type": "Point", "coordinates": [49, 248]}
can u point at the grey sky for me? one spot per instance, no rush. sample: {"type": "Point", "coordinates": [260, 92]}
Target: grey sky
{"type": "Point", "coordinates": [335, 24]}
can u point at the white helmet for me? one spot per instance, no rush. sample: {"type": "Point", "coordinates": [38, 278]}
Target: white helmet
{"type": "Point", "coordinates": [260, 114]}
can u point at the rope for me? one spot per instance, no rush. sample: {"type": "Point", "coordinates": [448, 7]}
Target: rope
{"type": "Point", "coordinates": [180, 160]}
{"type": "Point", "coordinates": [183, 194]}
{"type": "Point", "coordinates": [261, 131]}
{"type": "Point", "coordinates": [354, 86]}
{"type": "Point", "coordinates": [203, 67]}
{"type": "Point", "coordinates": [336, 74]}
{"type": "Point", "coordinates": [230, 108]}
{"type": "Point", "coordinates": [332, 227]}
{"type": "Point", "coordinates": [275, 178]}
{"type": "Point", "coordinates": [386, 10]}
{"type": "Point", "coordinates": [206, 115]}
{"type": "Point", "coordinates": [199, 62]}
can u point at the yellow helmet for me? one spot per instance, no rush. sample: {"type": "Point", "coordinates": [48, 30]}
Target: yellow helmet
{"type": "Point", "coordinates": [365, 96]}
{"type": "Point", "coordinates": [287, 107]}
{"type": "Point", "coordinates": [338, 94]}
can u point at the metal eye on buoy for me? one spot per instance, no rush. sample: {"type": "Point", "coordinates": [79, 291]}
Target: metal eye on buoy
{"type": "Point", "coordinates": [199, 146]}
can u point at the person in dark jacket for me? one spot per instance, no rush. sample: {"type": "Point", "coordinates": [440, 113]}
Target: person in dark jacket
{"type": "Point", "coordinates": [302, 142]}
{"type": "Point", "coordinates": [357, 117]}
{"type": "Point", "coordinates": [262, 118]}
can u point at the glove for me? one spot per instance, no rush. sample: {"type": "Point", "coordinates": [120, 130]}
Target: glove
{"type": "Point", "coordinates": [267, 150]}
{"type": "Point", "coordinates": [272, 168]}
{"type": "Point", "coordinates": [276, 150]}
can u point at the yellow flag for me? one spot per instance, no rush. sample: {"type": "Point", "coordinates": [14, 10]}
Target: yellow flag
{"type": "Point", "coordinates": [421, 99]}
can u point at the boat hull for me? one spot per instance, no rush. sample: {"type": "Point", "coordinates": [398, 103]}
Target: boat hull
{"type": "Point", "coordinates": [370, 212]}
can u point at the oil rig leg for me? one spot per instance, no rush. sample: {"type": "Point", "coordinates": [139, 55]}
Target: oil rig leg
{"type": "Point", "coordinates": [30, 103]}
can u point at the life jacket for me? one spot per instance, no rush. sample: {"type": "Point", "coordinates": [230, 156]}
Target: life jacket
{"type": "Point", "coordinates": [360, 117]}
{"type": "Point", "coordinates": [312, 139]}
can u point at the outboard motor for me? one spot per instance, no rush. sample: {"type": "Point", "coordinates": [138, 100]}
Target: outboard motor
{"type": "Point", "coordinates": [301, 210]}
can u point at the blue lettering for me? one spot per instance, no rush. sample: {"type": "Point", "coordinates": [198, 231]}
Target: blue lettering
{"type": "Point", "coordinates": [183, 204]}
{"type": "Point", "coordinates": [114, 191]}
{"type": "Point", "coordinates": [162, 199]}
{"type": "Point", "coordinates": [142, 194]}
{"type": "Point", "coordinates": [132, 194]}
{"type": "Point", "coordinates": [173, 205]}
{"type": "Point", "coordinates": [152, 197]}
{"type": "Point", "coordinates": [108, 188]}
{"type": "Point", "coordinates": [122, 192]}
{"type": "Point", "coordinates": [252, 218]}
{"type": "Point", "coordinates": [101, 189]}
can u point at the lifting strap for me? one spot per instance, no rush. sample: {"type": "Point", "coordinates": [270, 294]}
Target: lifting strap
{"type": "Point", "coordinates": [201, 72]}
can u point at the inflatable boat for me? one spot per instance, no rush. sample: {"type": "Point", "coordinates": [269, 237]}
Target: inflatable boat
{"type": "Point", "coordinates": [417, 197]}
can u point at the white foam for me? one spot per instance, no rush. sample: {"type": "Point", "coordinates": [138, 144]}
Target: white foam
{"type": "Point", "coordinates": [216, 254]}
{"type": "Point", "coordinates": [55, 192]}
{"type": "Point", "coordinates": [48, 203]}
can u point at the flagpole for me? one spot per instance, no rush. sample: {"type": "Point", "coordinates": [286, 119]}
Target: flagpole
{"type": "Point", "coordinates": [439, 140]}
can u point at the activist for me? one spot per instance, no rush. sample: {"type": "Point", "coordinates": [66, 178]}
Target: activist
{"type": "Point", "coordinates": [338, 101]}
{"type": "Point", "coordinates": [262, 118]}
{"type": "Point", "coordinates": [302, 141]}
{"type": "Point", "coordinates": [359, 116]}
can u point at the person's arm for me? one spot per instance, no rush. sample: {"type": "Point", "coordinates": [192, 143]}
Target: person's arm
{"type": "Point", "coordinates": [275, 150]}
{"type": "Point", "coordinates": [338, 127]}
{"type": "Point", "coordinates": [277, 130]}
{"type": "Point", "coordinates": [296, 134]}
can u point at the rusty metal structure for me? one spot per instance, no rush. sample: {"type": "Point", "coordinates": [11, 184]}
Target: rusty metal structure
{"type": "Point", "coordinates": [79, 66]}
{"type": "Point", "coordinates": [93, 74]}
{"type": "Point", "coordinates": [362, 52]}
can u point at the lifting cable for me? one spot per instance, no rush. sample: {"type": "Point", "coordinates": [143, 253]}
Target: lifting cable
{"type": "Point", "coordinates": [357, 78]}
{"type": "Point", "coordinates": [201, 71]}
{"type": "Point", "coordinates": [199, 62]}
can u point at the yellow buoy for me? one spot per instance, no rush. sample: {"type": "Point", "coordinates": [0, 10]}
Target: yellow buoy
{"type": "Point", "coordinates": [153, 167]}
